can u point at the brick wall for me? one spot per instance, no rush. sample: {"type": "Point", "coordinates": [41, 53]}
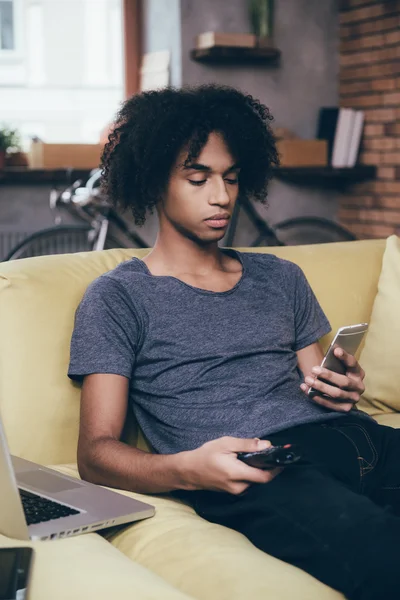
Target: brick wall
{"type": "Point", "coordinates": [369, 79]}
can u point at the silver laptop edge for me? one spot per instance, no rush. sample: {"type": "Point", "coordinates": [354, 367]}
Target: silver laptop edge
{"type": "Point", "coordinates": [98, 507]}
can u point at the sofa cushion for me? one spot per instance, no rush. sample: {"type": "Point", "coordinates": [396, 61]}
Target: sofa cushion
{"type": "Point", "coordinates": [39, 405]}
{"type": "Point", "coordinates": [38, 299]}
{"type": "Point", "coordinates": [208, 561]}
{"type": "Point", "coordinates": [380, 357]}
{"type": "Point", "coordinates": [388, 419]}
{"type": "Point", "coordinates": [87, 566]}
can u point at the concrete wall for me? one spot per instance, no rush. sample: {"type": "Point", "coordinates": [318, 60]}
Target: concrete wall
{"type": "Point", "coordinates": [161, 31]}
{"type": "Point", "coordinates": [306, 32]}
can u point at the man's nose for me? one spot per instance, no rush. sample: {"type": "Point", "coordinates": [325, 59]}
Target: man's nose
{"type": "Point", "coordinates": [219, 193]}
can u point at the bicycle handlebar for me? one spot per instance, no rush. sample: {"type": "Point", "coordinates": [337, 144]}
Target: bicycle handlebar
{"type": "Point", "coordinates": [89, 193]}
{"type": "Point", "coordinates": [63, 196]}
{"type": "Point", "coordinates": [83, 201]}
{"type": "Point", "coordinates": [76, 193]}
{"type": "Point", "coordinates": [94, 178]}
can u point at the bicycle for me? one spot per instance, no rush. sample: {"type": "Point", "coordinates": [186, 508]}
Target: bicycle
{"type": "Point", "coordinates": [97, 215]}
{"type": "Point", "coordinates": [291, 232]}
{"type": "Point", "coordinates": [94, 233]}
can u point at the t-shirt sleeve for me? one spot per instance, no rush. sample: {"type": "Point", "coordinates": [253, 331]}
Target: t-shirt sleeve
{"type": "Point", "coordinates": [106, 331]}
{"type": "Point", "coordinates": [311, 323]}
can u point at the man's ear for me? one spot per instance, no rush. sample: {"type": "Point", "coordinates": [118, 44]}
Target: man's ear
{"type": "Point", "coordinates": [159, 207]}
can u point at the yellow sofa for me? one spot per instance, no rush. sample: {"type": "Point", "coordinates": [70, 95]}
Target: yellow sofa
{"type": "Point", "coordinates": [176, 554]}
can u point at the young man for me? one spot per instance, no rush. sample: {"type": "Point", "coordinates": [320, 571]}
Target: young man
{"type": "Point", "coordinates": [210, 348]}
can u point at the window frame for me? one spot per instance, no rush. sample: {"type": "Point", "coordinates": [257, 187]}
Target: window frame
{"type": "Point", "coordinates": [132, 24]}
{"type": "Point", "coordinates": [16, 54]}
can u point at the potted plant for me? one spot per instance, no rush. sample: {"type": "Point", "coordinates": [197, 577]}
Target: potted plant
{"type": "Point", "coordinates": [261, 14]}
{"type": "Point", "coordinates": [9, 143]}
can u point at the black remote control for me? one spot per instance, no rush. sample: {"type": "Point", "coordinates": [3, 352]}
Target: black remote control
{"type": "Point", "coordinates": [270, 458]}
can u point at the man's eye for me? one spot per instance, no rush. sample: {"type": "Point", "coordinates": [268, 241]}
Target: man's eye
{"type": "Point", "coordinates": [232, 181]}
{"type": "Point", "coordinates": [193, 182]}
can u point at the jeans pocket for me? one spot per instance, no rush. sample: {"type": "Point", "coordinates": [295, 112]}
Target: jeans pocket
{"type": "Point", "coordinates": [359, 437]}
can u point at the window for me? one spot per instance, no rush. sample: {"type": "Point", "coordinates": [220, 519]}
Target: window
{"type": "Point", "coordinates": [61, 67]}
{"type": "Point", "coordinates": [7, 26]}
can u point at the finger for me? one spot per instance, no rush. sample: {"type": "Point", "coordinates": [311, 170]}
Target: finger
{"type": "Point", "coordinates": [254, 475]}
{"type": "Point", "coordinates": [274, 472]}
{"type": "Point", "coordinates": [238, 487]}
{"type": "Point", "coordinates": [233, 444]}
{"type": "Point", "coordinates": [337, 406]}
{"type": "Point", "coordinates": [347, 359]}
{"type": "Point", "coordinates": [331, 404]}
{"type": "Point", "coordinates": [342, 381]}
{"type": "Point", "coordinates": [336, 393]}
{"type": "Point", "coordinates": [358, 382]}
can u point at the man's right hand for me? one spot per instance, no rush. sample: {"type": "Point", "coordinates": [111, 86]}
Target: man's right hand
{"type": "Point", "coordinates": [215, 466]}
{"type": "Point", "coordinates": [105, 460]}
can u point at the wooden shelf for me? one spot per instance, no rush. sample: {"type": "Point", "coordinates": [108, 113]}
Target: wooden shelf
{"type": "Point", "coordinates": [312, 176]}
{"type": "Point", "coordinates": [236, 55]}
{"type": "Point", "coordinates": [26, 176]}
{"type": "Point", "coordinates": [329, 176]}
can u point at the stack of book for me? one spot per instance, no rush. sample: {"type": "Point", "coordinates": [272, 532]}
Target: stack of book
{"type": "Point", "coordinates": [342, 128]}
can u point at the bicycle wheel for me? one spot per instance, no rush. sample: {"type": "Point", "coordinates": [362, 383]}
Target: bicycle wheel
{"type": "Point", "coordinates": [311, 230]}
{"type": "Point", "coordinates": [54, 240]}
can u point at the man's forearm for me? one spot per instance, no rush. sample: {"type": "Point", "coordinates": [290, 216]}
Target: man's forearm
{"type": "Point", "coordinates": [112, 463]}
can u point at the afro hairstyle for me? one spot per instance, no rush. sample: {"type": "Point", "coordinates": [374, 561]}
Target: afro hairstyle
{"type": "Point", "coordinates": [152, 128]}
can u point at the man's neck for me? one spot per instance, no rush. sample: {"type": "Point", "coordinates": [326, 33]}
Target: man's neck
{"type": "Point", "coordinates": [175, 257]}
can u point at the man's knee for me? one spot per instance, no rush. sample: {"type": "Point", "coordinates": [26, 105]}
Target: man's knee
{"type": "Point", "coordinates": [376, 559]}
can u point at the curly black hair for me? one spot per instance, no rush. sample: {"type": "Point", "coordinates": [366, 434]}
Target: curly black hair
{"type": "Point", "coordinates": [153, 127]}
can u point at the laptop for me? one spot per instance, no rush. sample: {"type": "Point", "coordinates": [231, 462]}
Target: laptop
{"type": "Point", "coordinates": [40, 504]}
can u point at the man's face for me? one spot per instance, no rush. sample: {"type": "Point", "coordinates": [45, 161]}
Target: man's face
{"type": "Point", "coordinates": [200, 197]}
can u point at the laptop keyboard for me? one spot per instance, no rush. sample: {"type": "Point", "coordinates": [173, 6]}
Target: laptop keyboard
{"type": "Point", "coordinates": [38, 509]}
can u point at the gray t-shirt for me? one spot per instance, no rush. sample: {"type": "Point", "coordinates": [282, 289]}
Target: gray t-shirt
{"type": "Point", "coordinates": [203, 364]}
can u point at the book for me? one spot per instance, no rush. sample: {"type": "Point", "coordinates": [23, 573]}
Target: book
{"type": "Point", "coordinates": [342, 128]}
{"type": "Point", "coordinates": [355, 140]}
{"type": "Point", "coordinates": [327, 121]}
{"type": "Point", "coordinates": [343, 134]}
{"type": "Point", "coordinates": [341, 143]}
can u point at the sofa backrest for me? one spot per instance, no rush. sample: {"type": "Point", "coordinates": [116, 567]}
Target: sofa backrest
{"type": "Point", "coordinates": [39, 405]}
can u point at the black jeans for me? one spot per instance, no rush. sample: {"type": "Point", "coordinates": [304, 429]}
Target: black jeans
{"type": "Point", "coordinates": [336, 517]}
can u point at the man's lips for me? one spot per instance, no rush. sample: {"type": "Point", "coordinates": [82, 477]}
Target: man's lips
{"type": "Point", "coordinates": [218, 222]}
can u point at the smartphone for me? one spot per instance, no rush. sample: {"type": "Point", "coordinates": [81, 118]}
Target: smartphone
{"type": "Point", "coordinates": [15, 568]}
{"type": "Point", "coordinates": [349, 338]}
{"type": "Point", "coordinates": [272, 457]}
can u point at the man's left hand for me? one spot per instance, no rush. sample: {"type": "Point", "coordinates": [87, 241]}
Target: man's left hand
{"type": "Point", "coordinates": [349, 388]}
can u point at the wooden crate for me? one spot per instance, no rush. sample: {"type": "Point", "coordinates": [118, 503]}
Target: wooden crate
{"type": "Point", "coordinates": [210, 39]}
{"type": "Point", "coordinates": [64, 156]}
{"type": "Point", "coordinates": [303, 153]}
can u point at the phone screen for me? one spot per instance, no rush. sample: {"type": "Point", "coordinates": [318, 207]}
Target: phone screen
{"type": "Point", "coordinates": [14, 572]}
